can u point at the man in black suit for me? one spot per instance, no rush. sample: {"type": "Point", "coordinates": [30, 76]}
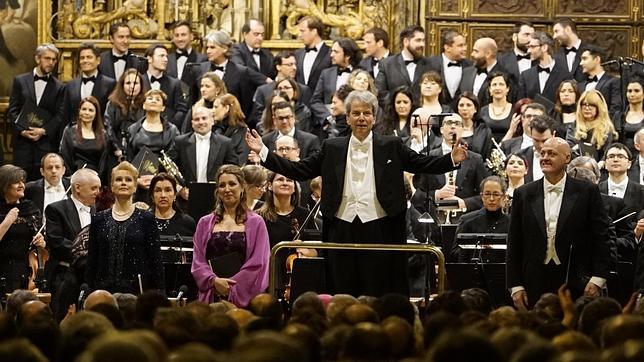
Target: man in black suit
{"type": "Point", "coordinates": [183, 58]}
{"type": "Point", "coordinates": [636, 171]}
{"type": "Point", "coordinates": [240, 81]}
{"type": "Point", "coordinates": [250, 53]}
{"type": "Point", "coordinates": [285, 67]}
{"type": "Point", "coordinates": [518, 60]}
{"type": "Point", "coordinates": [596, 78]}
{"type": "Point", "coordinates": [156, 78]}
{"type": "Point", "coordinates": [65, 219]}
{"type": "Point", "coordinates": [565, 32]}
{"type": "Point", "coordinates": [450, 64]}
{"type": "Point", "coordinates": [116, 60]}
{"type": "Point", "coordinates": [376, 48]}
{"type": "Point", "coordinates": [52, 186]}
{"type": "Point", "coordinates": [89, 83]}
{"type": "Point", "coordinates": [542, 128]}
{"type": "Point", "coordinates": [404, 68]}
{"type": "Point", "coordinates": [542, 79]}
{"type": "Point", "coordinates": [40, 94]}
{"type": "Point", "coordinates": [284, 116]}
{"type": "Point", "coordinates": [363, 197]}
{"type": "Point", "coordinates": [558, 233]}
{"type": "Point", "coordinates": [516, 144]}
{"type": "Point", "coordinates": [315, 56]}
{"type": "Point", "coordinates": [345, 56]}
{"type": "Point", "coordinates": [202, 152]}
{"type": "Point", "coordinates": [475, 77]}
{"type": "Point", "coordinates": [618, 184]}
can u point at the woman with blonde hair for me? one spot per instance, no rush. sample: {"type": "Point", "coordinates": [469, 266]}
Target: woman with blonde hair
{"type": "Point", "coordinates": [211, 87]}
{"type": "Point", "coordinates": [593, 131]}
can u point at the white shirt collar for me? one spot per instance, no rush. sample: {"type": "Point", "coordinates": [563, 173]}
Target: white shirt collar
{"type": "Point", "coordinates": [203, 137]}
{"type": "Point", "coordinates": [290, 133]}
{"type": "Point", "coordinates": [367, 139]}
{"type": "Point", "coordinates": [621, 185]}
{"type": "Point", "coordinates": [561, 183]}
{"type": "Point", "coordinates": [48, 185]}
{"type": "Point", "coordinates": [79, 205]}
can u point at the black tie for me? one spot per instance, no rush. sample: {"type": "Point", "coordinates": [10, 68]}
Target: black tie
{"type": "Point", "coordinates": [453, 64]}
{"type": "Point", "coordinates": [181, 54]}
{"type": "Point", "coordinates": [571, 49]}
{"type": "Point", "coordinates": [255, 52]}
{"type": "Point", "coordinates": [89, 79]}
{"type": "Point", "coordinates": [481, 71]}
{"type": "Point", "coordinates": [116, 58]}
{"type": "Point", "coordinates": [311, 49]}
{"type": "Point", "coordinates": [593, 79]}
{"type": "Point", "coordinates": [407, 62]}
{"type": "Point", "coordinates": [521, 57]}
{"type": "Point", "coordinates": [155, 79]}
{"type": "Point", "coordinates": [343, 70]}
{"type": "Point", "coordinates": [543, 69]}
{"type": "Point", "coordinates": [44, 77]}
{"type": "Point", "coordinates": [216, 67]}
{"type": "Point", "coordinates": [374, 62]}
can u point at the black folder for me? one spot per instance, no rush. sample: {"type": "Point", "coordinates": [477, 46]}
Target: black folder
{"type": "Point", "coordinates": [32, 116]}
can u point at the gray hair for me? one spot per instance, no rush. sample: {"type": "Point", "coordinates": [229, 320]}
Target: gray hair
{"type": "Point", "coordinates": [544, 39]}
{"type": "Point", "coordinates": [47, 46]}
{"type": "Point", "coordinates": [83, 175]}
{"type": "Point", "coordinates": [364, 97]}
{"type": "Point", "coordinates": [220, 38]}
{"type": "Point", "coordinates": [582, 173]}
{"type": "Point", "coordinates": [639, 135]}
{"type": "Point", "coordinates": [582, 161]}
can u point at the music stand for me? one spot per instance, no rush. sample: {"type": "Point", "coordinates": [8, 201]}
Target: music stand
{"type": "Point", "coordinates": [308, 274]}
{"type": "Point", "coordinates": [202, 199]}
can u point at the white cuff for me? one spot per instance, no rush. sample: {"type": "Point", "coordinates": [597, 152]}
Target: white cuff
{"type": "Point", "coordinates": [516, 289]}
{"type": "Point", "coordinates": [263, 153]}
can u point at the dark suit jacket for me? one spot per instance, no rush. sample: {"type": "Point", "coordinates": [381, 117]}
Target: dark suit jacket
{"type": "Point", "coordinates": [324, 93]}
{"type": "Point", "coordinates": [390, 159]}
{"type": "Point", "coordinates": [610, 88]}
{"type": "Point", "coordinates": [35, 191]}
{"type": "Point", "coordinates": [102, 89]}
{"type": "Point", "coordinates": [577, 72]}
{"type": "Point", "coordinates": [528, 154]}
{"type": "Point", "coordinates": [176, 104]}
{"type": "Point", "coordinates": [392, 73]}
{"type": "Point", "coordinates": [188, 76]}
{"type": "Point", "coordinates": [633, 196]}
{"type": "Point", "coordinates": [634, 171]}
{"type": "Point", "coordinates": [107, 66]}
{"type": "Point", "coordinates": [436, 64]}
{"type": "Point", "coordinates": [220, 153]}
{"type": "Point", "coordinates": [242, 56]}
{"type": "Point", "coordinates": [529, 82]}
{"type": "Point", "coordinates": [513, 145]}
{"type": "Point", "coordinates": [624, 243]}
{"type": "Point", "coordinates": [508, 61]}
{"type": "Point", "coordinates": [322, 61]}
{"type": "Point", "coordinates": [63, 225]}
{"type": "Point", "coordinates": [582, 222]}
{"type": "Point", "coordinates": [308, 143]}
{"type": "Point", "coordinates": [366, 64]}
{"type": "Point", "coordinates": [23, 91]}
{"type": "Point", "coordinates": [467, 82]}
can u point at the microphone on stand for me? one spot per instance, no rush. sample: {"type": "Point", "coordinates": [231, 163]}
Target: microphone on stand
{"type": "Point", "coordinates": [182, 290]}
{"type": "Point", "coordinates": [81, 296]}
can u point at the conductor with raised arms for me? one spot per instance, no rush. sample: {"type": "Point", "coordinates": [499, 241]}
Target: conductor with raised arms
{"type": "Point", "coordinates": [362, 196]}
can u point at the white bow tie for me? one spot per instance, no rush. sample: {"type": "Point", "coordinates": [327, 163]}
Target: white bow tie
{"type": "Point", "coordinates": [58, 188]}
{"type": "Point", "coordinates": [85, 208]}
{"type": "Point", "coordinates": [553, 188]}
{"type": "Point", "coordinates": [618, 188]}
{"type": "Point", "coordinates": [202, 137]}
{"type": "Point", "coordinates": [360, 146]}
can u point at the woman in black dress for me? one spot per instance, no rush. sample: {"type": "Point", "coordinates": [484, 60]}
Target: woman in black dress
{"type": "Point", "coordinates": [475, 132]}
{"type": "Point", "coordinates": [83, 143]}
{"type": "Point", "coordinates": [565, 110]}
{"type": "Point", "coordinates": [170, 220]}
{"type": "Point", "coordinates": [634, 115]}
{"type": "Point", "coordinates": [124, 252]}
{"type": "Point", "coordinates": [498, 113]}
{"type": "Point", "coordinates": [397, 120]}
{"type": "Point", "coordinates": [230, 122]}
{"type": "Point", "coordinates": [21, 219]}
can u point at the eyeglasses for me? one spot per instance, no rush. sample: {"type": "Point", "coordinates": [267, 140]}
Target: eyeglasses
{"type": "Point", "coordinates": [587, 105]}
{"type": "Point", "coordinates": [452, 122]}
{"type": "Point", "coordinates": [284, 118]}
{"type": "Point", "coordinates": [618, 156]}
{"type": "Point", "coordinates": [492, 195]}
{"type": "Point", "coordinates": [529, 116]}
{"type": "Point", "coordinates": [286, 149]}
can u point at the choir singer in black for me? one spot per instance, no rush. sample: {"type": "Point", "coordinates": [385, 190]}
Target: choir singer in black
{"type": "Point", "coordinates": [362, 196]}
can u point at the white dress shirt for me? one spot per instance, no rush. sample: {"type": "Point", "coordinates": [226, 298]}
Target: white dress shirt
{"type": "Point", "coordinates": [617, 189]}
{"type": "Point", "coordinates": [39, 87]}
{"type": "Point", "coordinates": [376, 67]}
{"type": "Point", "coordinates": [202, 150]}
{"type": "Point", "coordinates": [53, 194]}
{"type": "Point", "coordinates": [84, 212]}
{"type": "Point", "coordinates": [447, 149]}
{"type": "Point", "coordinates": [536, 167]}
{"type": "Point", "coordinates": [524, 64]}
{"type": "Point", "coordinates": [220, 73]}
{"type": "Point", "coordinates": [526, 141]}
{"type": "Point", "coordinates": [411, 67]}
{"type": "Point", "coordinates": [641, 162]}
{"type": "Point", "coordinates": [181, 62]}
{"type": "Point", "coordinates": [543, 76]}
{"type": "Point", "coordinates": [119, 66]}
{"type": "Point", "coordinates": [87, 87]}
{"type": "Point", "coordinates": [552, 198]}
{"type": "Point", "coordinates": [570, 57]}
{"type": "Point", "coordinates": [309, 59]}
{"type": "Point", "coordinates": [452, 75]}
{"type": "Point", "coordinates": [593, 84]}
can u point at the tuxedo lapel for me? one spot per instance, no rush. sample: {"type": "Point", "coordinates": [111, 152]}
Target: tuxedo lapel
{"type": "Point", "coordinates": [341, 162]}
{"type": "Point", "coordinates": [212, 153]}
{"type": "Point", "coordinates": [538, 208]}
{"type": "Point", "coordinates": [567, 204]}
{"type": "Point", "coordinates": [31, 88]}
{"type": "Point", "coordinates": [72, 214]}
{"type": "Point", "coordinates": [402, 68]}
{"type": "Point", "coordinates": [379, 158]}
{"type": "Point", "coordinates": [192, 155]}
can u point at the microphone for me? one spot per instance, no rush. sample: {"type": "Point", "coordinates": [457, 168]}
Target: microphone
{"type": "Point", "coordinates": [182, 290]}
{"type": "Point", "coordinates": [440, 115]}
{"type": "Point", "coordinates": [614, 61]}
{"type": "Point", "coordinates": [81, 296]}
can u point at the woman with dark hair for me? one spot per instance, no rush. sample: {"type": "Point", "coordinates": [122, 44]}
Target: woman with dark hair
{"type": "Point", "coordinates": [153, 131]}
{"type": "Point", "coordinates": [516, 167]}
{"type": "Point", "coordinates": [633, 118]}
{"type": "Point", "coordinates": [516, 125]}
{"type": "Point", "coordinates": [397, 120]}
{"type": "Point", "coordinates": [124, 108]}
{"type": "Point", "coordinates": [230, 122]}
{"type": "Point", "coordinates": [337, 126]}
{"type": "Point", "coordinates": [430, 91]}
{"type": "Point", "coordinates": [267, 124]}
{"type": "Point", "coordinates": [565, 110]}
{"type": "Point", "coordinates": [231, 230]}
{"type": "Point", "coordinates": [21, 218]}
{"type": "Point", "coordinates": [83, 142]}
{"type": "Point", "coordinates": [170, 219]}
{"type": "Point", "coordinates": [303, 115]}
{"type": "Point", "coordinates": [475, 132]}
{"type": "Point", "coordinates": [210, 88]}
{"type": "Point", "coordinates": [498, 114]}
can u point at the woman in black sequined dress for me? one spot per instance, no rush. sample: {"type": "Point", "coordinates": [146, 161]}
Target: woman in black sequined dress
{"type": "Point", "coordinates": [170, 220]}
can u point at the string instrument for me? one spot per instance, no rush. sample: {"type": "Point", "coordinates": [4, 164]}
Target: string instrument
{"type": "Point", "coordinates": [171, 168]}
{"type": "Point", "coordinates": [37, 258]}
{"type": "Point", "coordinates": [290, 260]}
{"type": "Point", "coordinates": [451, 180]}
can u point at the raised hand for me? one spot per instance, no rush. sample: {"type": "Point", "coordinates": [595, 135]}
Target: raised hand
{"type": "Point", "coordinates": [254, 141]}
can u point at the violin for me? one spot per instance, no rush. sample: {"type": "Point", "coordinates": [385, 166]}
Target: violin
{"type": "Point", "coordinates": [37, 258]}
{"type": "Point", "coordinates": [290, 260]}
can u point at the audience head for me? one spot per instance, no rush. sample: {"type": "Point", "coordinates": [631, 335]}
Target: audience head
{"type": "Point", "coordinates": [621, 328]}
{"type": "Point", "coordinates": [147, 305]}
{"type": "Point", "coordinates": [99, 297]}
{"type": "Point", "coordinates": [595, 314]}
{"type": "Point", "coordinates": [366, 342]}
{"type": "Point", "coordinates": [393, 304]}
{"type": "Point", "coordinates": [79, 330]}
{"type": "Point", "coordinates": [463, 346]}
{"type": "Point", "coordinates": [19, 296]}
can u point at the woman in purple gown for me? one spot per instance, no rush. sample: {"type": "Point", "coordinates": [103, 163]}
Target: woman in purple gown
{"type": "Point", "coordinates": [231, 231]}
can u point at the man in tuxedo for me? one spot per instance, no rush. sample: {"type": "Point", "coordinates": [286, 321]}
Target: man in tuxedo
{"type": "Point", "coordinates": [345, 56]}
{"type": "Point", "coordinates": [284, 116]}
{"type": "Point", "coordinates": [362, 196]}
{"type": "Point", "coordinates": [51, 187]}
{"type": "Point", "coordinates": [516, 144]}
{"type": "Point", "coordinates": [114, 61]}
{"type": "Point", "coordinates": [558, 233]}
{"type": "Point", "coordinates": [250, 53]}
{"type": "Point", "coordinates": [404, 68]}
{"type": "Point", "coordinates": [285, 67]}
{"type": "Point", "coordinates": [475, 77]}
{"type": "Point", "coordinates": [183, 58]}
{"type": "Point", "coordinates": [156, 78]}
{"type": "Point", "coordinates": [89, 83]}
{"type": "Point", "coordinates": [618, 184]}
{"type": "Point", "coordinates": [542, 128]}
{"type": "Point", "coordinates": [565, 32]}
{"type": "Point", "coordinates": [636, 171]}
{"type": "Point", "coordinates": [450, 63]}
{"type": "Point", "coordinates": [240, 81]}
{"type": "Point", "coordinates": [596, 78]}
{"type": "Point", "coordinates": [40, 94]}
{"type": "Point", "coordinates": [376, 48]}
{"type": "Point", "coordinates": [518, 60]}
{"type": "Point", "coordinates": [65, 219]}
{"type": "Point", "coordinates": [315, 56]}
{"type": "Point", "coordinates": [542, 80]}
